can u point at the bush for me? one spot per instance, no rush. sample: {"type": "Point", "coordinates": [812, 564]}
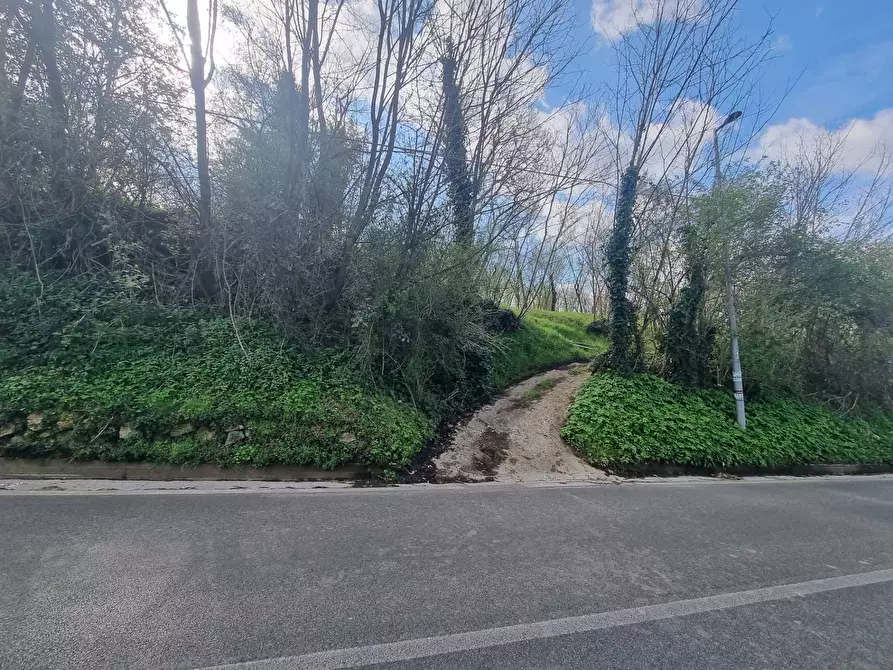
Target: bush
{"type": "Point", "coordinates": [629, 420]}
{"type": "Point", "coordinates": [500, 319]}
{"type": "Point", "coordinates": [428, 342]}
{"type": "Point", "coordinates": [92, 363]}
{"type": "Point", "coordinates": [599, 327]}
{"type": "Point", "coordinates": [817, 321]}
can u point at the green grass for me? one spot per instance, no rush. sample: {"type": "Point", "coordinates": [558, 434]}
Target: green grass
{"type": "Point", "coordinates": [537, 391]}
{"type": "Point", "coordinates": [93, 362]}
{"type": "Point", "coordinates": [619, 421]}
{"type": "Point", "coordinates": [546, 339]}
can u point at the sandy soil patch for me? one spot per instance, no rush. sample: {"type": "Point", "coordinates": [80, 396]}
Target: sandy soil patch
{"type": "Point", "coordinates": [516, 438]}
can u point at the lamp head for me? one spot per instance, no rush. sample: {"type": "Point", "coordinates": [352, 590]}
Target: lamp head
{"type": "Point", "coordinates": [731, 118]}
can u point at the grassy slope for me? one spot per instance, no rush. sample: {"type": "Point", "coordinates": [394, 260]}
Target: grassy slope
{"type": "Point", "coordinates": [93, 363]}
{"type": "Point", "coordinates": [618, 421]}
{"type": "Point", "coordinates": [546, 339]}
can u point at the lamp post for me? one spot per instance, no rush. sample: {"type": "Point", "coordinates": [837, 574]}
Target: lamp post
{"type": "Point", "coordinates": [737, 381]}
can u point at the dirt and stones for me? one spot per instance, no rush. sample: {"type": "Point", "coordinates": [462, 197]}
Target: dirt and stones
{"type": "Point", "coordinates": [517, 437]}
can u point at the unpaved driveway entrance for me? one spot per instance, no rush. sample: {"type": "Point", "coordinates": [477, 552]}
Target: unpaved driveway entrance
{"type": "Point", "coordinates": [516, 439]}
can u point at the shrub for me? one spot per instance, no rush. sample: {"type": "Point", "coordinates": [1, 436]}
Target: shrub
{"type": "Point", "coordinates": [599, 327]}
{"type": "Point", "coordinates": [627, 420]}
{"type": "Point", "coordinates": [500, 319]}
{"type": "Point", "coordinates": [428, 342]}
{"type": "Point", "coordinates": [103, 362]}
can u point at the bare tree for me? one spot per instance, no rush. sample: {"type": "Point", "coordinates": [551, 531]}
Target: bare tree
{"type": "Point", "coordinates": [200, 61]}
{"type": "Point", "coordinates": [830, 195]}
{"type": "Point", "coordinates": [396, 55]}
{"type": "Point", "coordinates": [682, 51]}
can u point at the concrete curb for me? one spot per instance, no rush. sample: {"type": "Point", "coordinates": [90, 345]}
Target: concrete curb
{"type": "Point", "coordinates": [810, 470]}
{"type": "Point", "coordinates": [59, 468]}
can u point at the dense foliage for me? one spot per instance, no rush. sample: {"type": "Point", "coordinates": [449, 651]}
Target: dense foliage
{"type": "Point", "coordinates": [624, 421]}
{"type": "Point", "coordinates": [814, 303]}
{"type": "Point", "coordinates": [94, 363]}
{"type": "Point", "coordinates": [114, 378]}
{"type": "Point", "coordinates": [688, 345]}
{"type": "Point", "coordinates": [818, 322]}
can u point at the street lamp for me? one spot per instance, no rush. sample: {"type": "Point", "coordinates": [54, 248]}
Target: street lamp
{"type": "Point", "coordinates": [737, 382]}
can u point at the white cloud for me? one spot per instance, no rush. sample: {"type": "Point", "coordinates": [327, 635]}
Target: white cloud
{"type": "Point", "coordinates": [857, 146]}
{"type": "Point", "coordinates": [612, 19]}
{"type": "Point", "coordinates": [683, 137]}
{"type": "Point", "coordinates": [671, 142]}
{"type": "Point", "coordinates": [782, 43]}
{"type": "Point", "coordinates": [352, 35]}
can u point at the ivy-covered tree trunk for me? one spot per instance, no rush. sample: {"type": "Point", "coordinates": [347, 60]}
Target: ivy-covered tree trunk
{"type": "Point", "coordinates": [624, 353]}
{"type": "Point", "coordinates": [454, 157]}
{"type": "Point", "coordinates": [688, 343]}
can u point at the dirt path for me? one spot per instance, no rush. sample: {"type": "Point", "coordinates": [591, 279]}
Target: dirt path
{"type": "Point", "coordinates": [516, 439]}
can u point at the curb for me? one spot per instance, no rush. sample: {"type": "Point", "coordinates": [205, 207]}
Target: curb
{"type": "Point", "coordinates": [806, 470]}
{"type": "Point", "coordinates": [59, 468]}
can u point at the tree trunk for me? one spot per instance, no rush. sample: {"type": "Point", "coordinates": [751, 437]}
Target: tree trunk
{"type": "Point", "coordinates": [455, 159]}
{"type": "Point", "coordinates": [553, 294]}
{"type": "Point", "coordinates": [12, 10]}
{"type": "Point", "coordinates": [113, 62]}
{"type": "Point", "coordinates": [45, 36]}
{"type": "Point", "coordinates": [623, 354]}
{"type": "Point", "coordinates": [17, 95]}
{"type": "Point", "coordinates": [301, 146]}
{"type": "Point", "coordinates": [197, 79]}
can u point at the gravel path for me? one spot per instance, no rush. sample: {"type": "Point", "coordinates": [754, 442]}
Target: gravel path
{"type": "Point", "coordinates": [516, 438]}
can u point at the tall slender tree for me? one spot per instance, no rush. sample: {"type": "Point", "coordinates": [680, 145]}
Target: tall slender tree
{"type": "Point", "coordinates": [461, 191]}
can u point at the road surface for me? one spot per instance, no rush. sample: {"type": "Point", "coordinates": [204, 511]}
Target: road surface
{"type": "Point", "coordinates": [691, 574]}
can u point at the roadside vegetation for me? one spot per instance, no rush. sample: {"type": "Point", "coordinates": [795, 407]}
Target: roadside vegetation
{"type": "Point", "coordinates": [105, 378]}
{"type": "Point", "coordinates": [621, 422]}
{"type": "Point", "coordinates": [92, 375]}
{"type": "Point", "coordinates": [316, 247]}
{"type": "Point", "coordinates": [548, 340]}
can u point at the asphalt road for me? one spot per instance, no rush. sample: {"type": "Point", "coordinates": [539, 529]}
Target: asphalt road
{"type": "Point", "coordinates": [768, 574]}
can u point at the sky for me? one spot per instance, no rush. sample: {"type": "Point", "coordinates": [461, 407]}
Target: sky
{"type": "Point", "coordinates": [837, 54]}
{"type": "Point", "coordinates": [834, 58]}
{"type": "Point", "coordinates": [832, 70]}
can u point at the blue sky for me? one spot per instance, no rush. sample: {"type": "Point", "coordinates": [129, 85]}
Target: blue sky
{"type": "Point", "coordinates": [838, 55]}
{"type": "Point", "coordinates": [842, 51]}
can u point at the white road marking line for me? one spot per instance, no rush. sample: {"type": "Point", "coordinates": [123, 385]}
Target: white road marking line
{"type": "Point", "coordinates": [426, 647]}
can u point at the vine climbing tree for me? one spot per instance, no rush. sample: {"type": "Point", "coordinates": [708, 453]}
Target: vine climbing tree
{"type": "Point", "coordinates": [689, 342]}
{"type": "Point", "coordinates": [678, 63]}
{"type": "Point", "coordinates": [625, 353]}
{"type": "Point", "coordinates": [454, 156]}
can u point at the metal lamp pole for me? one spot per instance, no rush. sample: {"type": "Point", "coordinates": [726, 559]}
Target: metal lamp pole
{"type": "Point", "coordinates": [737, 382]}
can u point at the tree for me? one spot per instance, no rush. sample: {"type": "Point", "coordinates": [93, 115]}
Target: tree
{"type": "Point", "coordinates": [814, 308]}
{"type": "Point", "coordinates": [689, 340]}
{"type": "Point", "coordinates": [85, 108]}
{"type": "Point", "coordinates": [200, 61]}
{"type": "Point", "coordinates": [622, 354]}
{"type": "Point", "coordinates": [461, 191]}
{"type": "Point", "coordinates": [682, 53]}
